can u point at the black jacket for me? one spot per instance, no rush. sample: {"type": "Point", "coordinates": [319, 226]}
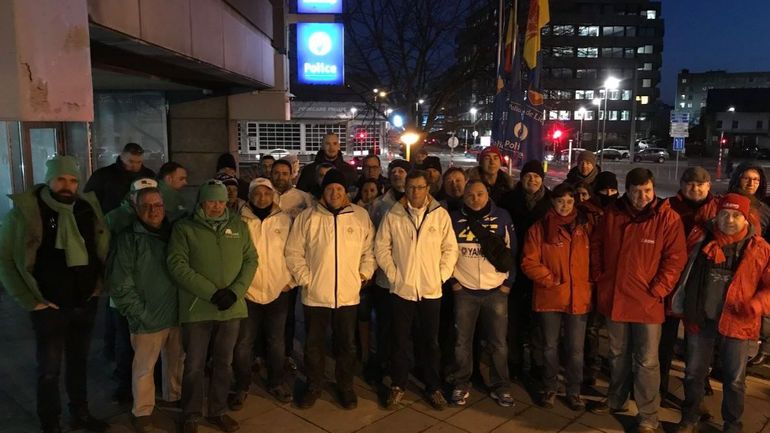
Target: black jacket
{"type": "Point", "coordinates": [515, 203]}
{"type": "Point", "coordinates": [112, 183]}
{"type": "Point", "coordinates": [307, 176]}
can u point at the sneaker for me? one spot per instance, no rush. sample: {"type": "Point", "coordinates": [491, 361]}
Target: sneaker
{"type": "Point", "coordinates": [309, 398]}
{"type": "Point", "coordinates": [460, 396]}
{"type": "Point", "coordinates": [437, 400]}
{"type": "Point", "coordinates": [190, 426]}
{"type": "Point", "coordinates": [348, 399]}
{"type": "Point", "coordinates": [224, 423]}
{"type": "Point", "coordinates": [759, 359]}
{"type": "Point", "coordinates": [603, 408]}
{"type": "Point", "coordinates": [87, 422]}
{"type": "Point", "coordinates": [141, 424]}
{"type": "Point", "coordinates": [574, 402]}
{"type": "Point", "coordinates": [236, 399]}
{"type": "Point", "coordinates": [503, 397]}
{"type": "Point", "coordinates": [394, 398]}
{"type": "Point", "coordinates": [282, 393]}
{"type": "Point", "coordinates": [548, 399]}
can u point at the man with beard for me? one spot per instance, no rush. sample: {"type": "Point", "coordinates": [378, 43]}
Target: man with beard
{"type": "Point", "coordinates": [585, 171]}
{"type": "Point", "coordinates": [330, 153]}
{"type": "Point", "coordinates": [52, 250]}
{"type": "Point", "coordinates": [496, 180]}
{"type": "Point", "coordinates": [432, 166]}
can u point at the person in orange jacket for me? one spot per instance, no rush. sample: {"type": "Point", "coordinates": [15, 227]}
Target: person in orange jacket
{"type": "Point", "coordinates": [555, 257]}
{"type": "Point", "coordinates": [723, 293]}
{"type": "Point", "coordinates": [637, 256]}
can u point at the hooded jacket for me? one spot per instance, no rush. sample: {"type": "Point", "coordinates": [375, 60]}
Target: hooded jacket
{"type": "Point", "coordinates": [416, 258]}
{"type": "Point", "coordinates": [269, 237]}
{"type": "Point", "coordinates": [636, 260]}
{"type": "Point", "coordinates": [307, 178]}
{"type": "Point", "coordinates": [329, 254]}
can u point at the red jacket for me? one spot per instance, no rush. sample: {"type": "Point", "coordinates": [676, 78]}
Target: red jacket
{"type": "Point", "coordinates": [559, 271]}
{"type": "Point", "coordinates": [693, 217]}
{"type": "Point", "coordinates": [636, 260]}
{"type": "Point", "coordinates": [750, 286]}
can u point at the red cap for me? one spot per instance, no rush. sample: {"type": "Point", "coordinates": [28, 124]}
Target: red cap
{"type": "Point", "coordinates": [491, 149]}
{"type": "Point", "coordinates": [737, 202]}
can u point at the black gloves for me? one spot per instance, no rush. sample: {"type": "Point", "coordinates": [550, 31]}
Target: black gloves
{"type": "Point", "coordinates": [223, 299]}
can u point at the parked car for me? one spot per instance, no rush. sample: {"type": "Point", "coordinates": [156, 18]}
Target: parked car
{"type": "Point", "coordinates": [622, 149]}
{"type": "Point", "coordinates": [654, 154]}
{"type": "Point", "coordinates": [475, 150]}
{"type": "Point", "coordinates": [610, 154]}
{"type": "Point", "coordinates": [564, 154]}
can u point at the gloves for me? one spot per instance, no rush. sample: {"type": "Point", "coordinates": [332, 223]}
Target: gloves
{"type": "Point", "coordinates": [223, 299]}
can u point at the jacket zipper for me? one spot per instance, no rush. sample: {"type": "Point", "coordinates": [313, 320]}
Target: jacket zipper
{"type": "Point", "coordinates": [417, 236]}
{"type": "Point", "coordinates": [336, 263]}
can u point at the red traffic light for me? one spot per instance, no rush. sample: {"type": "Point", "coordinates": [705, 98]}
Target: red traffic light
{"type": "Point", "coordinates": [723, 141]}
{"type": "Point", "coordinates": [556, 134]}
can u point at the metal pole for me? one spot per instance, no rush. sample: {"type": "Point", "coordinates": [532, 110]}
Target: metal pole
{"type": "Point", "coordinates": [632, 139]}
{"type": "Point", "coordinates": [580, 139]}
{"type": "Point", "coordinates": [604, 126]}
{"type": "Point", "coordinates": [719, 158]}
{"type": "Point", "coordinates": [676, 170]}
{"type": "Point", "coordinates": [569, 157]}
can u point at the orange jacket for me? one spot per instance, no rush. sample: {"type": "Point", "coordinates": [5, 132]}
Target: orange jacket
{"type": "Point", "coordinates": [636, 260]}
{"type": "Point", "coordinates": [559, 271]}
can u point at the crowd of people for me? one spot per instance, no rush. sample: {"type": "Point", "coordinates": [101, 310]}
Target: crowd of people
{"type": "Point", "coordinates": [422, 271]}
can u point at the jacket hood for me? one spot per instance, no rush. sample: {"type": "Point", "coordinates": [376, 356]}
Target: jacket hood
{"type": "Point", "coordinates": [738, 172]}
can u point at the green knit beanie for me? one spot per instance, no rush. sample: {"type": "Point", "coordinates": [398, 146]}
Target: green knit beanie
{"type": "Point", "coordinates": [212, 190]}
{"type": "Point", "coordinates": [61, 165]}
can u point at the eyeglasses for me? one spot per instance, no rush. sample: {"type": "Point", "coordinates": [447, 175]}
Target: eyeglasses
{"type": "Point", "coordinates": [416, 187]}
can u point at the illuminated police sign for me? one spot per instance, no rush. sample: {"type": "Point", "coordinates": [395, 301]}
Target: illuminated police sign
{"type": "Point", "coordinates": [319, 6]}
{"type": "Point", "coordinates": [320, 53]}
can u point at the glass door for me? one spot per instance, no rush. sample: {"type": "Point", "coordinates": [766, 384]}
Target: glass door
{"type": "Point", "coordinates": [43, 141]}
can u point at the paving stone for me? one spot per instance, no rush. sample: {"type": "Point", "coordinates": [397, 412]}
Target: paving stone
{"type": "Point", "coordinates": [533, 419]}
{"type": "Point", "coordinates": [328, 415]}
{"type": "Point", "coordinates": [484, 416]}
{"type": "Point", "coordinates": [406, 420]}
{"type": "Point", "coordinates": [443, 427]}
{"type": "Point", "coordinates": [278, 420]}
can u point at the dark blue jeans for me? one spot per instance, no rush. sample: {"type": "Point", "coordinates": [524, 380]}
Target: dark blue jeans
{"type": "Point", "coordinates": [574, 336]}
{"type": "Point", "coordinates": [196, 338]}
{"type": "Point", "coordinates": [492, 307]}
{"type": "Point", "coordinates": [266, 320]}
{"type": "Point", "coordinates": [732, 356]}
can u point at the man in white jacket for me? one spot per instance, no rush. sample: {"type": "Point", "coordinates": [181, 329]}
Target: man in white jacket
{"type": "Point", "coordinates": [329, 253]}
{"type": "Point", "coordinates": [408, 239]}
{"type": "Point", "coordinates": [267, 298]}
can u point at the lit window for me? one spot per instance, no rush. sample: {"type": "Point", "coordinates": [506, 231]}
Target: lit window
{"type": "Point", "coordinates": [626, 95]}
{"type": "Point", "coordinates": [589, 115]}
{"type": "Point", "coordinates": [613, 115]}
{"type": "Point", "coordinates": [580, 94]}
{"type": "Point", "coordinates": [588, 30]}
{"type": "Point", "coordinates": [565, 115]}
{"type": "Point", "coordinates": [553, 115]}
{"type": "Point", "coordinates": [614, 94]}
{"type": "Point", "coordinates": [588, 52]}
{"type": "Point", "coordinates": [646, 49]}
{"type": "Point", "coordinates": [650, 14]}
{"type": "Point", "coordinates": [625, 115]}
{"type": "Point", "coordinates": [646, 82]}
{"type": "Point", "coordinates": [644, 100]}
{"type": "Point", "coordinates": [589, 94]}
{"type": "Point", "coordinates": [682, 104]}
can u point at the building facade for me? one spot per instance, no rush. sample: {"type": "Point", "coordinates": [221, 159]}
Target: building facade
{"type": "Point", "coordinates": [692, 88]}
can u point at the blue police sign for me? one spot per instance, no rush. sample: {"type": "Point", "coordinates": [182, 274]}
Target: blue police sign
{"type": "Point", "coordinates": [319, 6]}
{"type": "Point", "coordinates": [678, 144]}
{"type": "Point", "coordinates": [320, 53]}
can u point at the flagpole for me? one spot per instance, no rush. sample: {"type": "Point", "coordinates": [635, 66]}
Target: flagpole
{"type": "Point", "coordinates": [500, 31]}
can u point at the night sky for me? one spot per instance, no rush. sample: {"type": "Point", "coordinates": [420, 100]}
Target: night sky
{"type": "Point", "coordinates": [714, 34]}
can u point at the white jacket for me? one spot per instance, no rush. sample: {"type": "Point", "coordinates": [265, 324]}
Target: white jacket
{"type": "Point", "coordinates": [379, 208]}
{"type": "Point", "coordinates": [269, 237]}
{"type": "Point", "coordinates": [294, 201]}
{"type": "Point", "coordinates": [417, 259]}
{"type": "Point", "coordinates": [329, 254]}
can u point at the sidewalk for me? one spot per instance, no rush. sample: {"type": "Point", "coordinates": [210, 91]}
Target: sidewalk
{"type": "Point", "coordinates": [262, 415]}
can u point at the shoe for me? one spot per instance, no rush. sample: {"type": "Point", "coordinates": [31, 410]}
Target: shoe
{"type": "Point", "coordinates": [503, 397]}
{"type": "Point", "coordinates": [141, 424]}
{"type": "Point", "coordinates": [437, 400]}
{"type": "Point", "coordinates": [224, 423]}
{"type": "Point", "coordinates": [646, 429]}
{"type": "Point", "coordinates": [291, 364]}
{"type": "Point", "coordinates": [460, 396]}
{"type": "Point", "coordinates": [705, 413]}
{"type": "Point", "coordinates": [395, 396]}
{"type": "Point", "coordinates": [86, 422]}
{"type": "Point", "coordinates": [236, 399]}
{"type": "Point", "coordinates": [549, 398]}
{"type": "Point", "coordinates": [348, 399]}
{"type": "Point", "coordinates": [707, 389]}
{"type": "Point", "coordinates": [190, 426]}
{"type": "Point", "coordinates": [603, 408]}
{"type": "Point", "coordinates": [759, 359]}
{"type": "Point", "coordinates": [686, 428]}
{"type": "Point", "coordinates": [163, 404]}
{"type": "Point", "coordinates": [309, 398]}
{"type": "Point", "coordinates": [282, 393]}
{"type": "Point", "coordinates": [574, 402]}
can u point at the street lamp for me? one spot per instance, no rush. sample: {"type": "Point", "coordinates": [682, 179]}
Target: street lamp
{"type": "Point", "coordinates": [582, 112]}
{"type": "Point", "coordinates": [353, 111]}
{"type": "Point", "coordinates": [417, 110]}
{"type": "Point", "coordinates": [409, 138]}
{"type": "Point", "coordinates": [611, 83]}
{"type": "Point", "coordinates": [598, 103]}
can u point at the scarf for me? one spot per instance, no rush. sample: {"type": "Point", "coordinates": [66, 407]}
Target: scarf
{"type": "Point", "coordinates": [531, 200]}
{"type": "Point", "coordinates": [606, 200]}
{"type": "Point", "coordinates": [215, 223]}
{"type": "Point", "coordinates": [260, 213]}
{"type": "Point", "coordinates": [553, 221]}
{"type": "Point", "coordinates": [713, 250]}
{"type": "Point", "coordinates": [68, 237]}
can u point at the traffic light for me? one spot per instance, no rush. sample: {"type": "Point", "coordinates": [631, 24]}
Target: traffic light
{"type": "Point", "coordinates": [723, 141]}
{"type": "Point", "coordinates": [556, 134]}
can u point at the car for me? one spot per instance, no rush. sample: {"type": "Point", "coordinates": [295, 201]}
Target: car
{"type": "Point", "coordinates": [278, 153]}
{"type": "Point", "coordinates": [564, 154]}
{"type": "Point", "coordinates": [654, 154]}
{"type": "Point", "coordinates": [475, 150]}
{"type": "Point", "coordinates": [622, 149]}
{"type": "Point", "coordinates": [610, 154]}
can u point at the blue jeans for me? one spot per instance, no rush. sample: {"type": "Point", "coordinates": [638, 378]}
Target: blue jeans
{"type": "Point", "coordinates": [732, 356]}
{"type": "Point", "coordinates": [196, 338]}
{"type": "Point", "coordinates": [574, 334]}
{"type": "Point", "coordinates": [266, 320]}
{"type": "Point", "coordinates": [492, 306]}
{"type": "Point", "coordinates": [634, 352]}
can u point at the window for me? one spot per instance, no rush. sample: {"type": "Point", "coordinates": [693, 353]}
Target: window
{"type": "Point", "coordinates": [644, 100]}
{"type": "Point", "coordinates": [684, 80]}
{"type": "Point", "coordinates": [626, 95]}
{"type": "Point", "coordinates": [578, 115]}
{"type": "Point", "coordinates": [553, 115]}
{"type": "Point", "coordinates": [612, 52]}
{"type": "Point", "coordinates": [545, 31]}
{"type": "Point", "coordinates": [588, 31]}
{"type": "Point", "coordinates": [735, 124]}
{"type": "Point", "coordinates": [647, 32]}
{"type": "Point", "coordinates": [689, 105]}
{"type": "Point", "coordinates": [650, 14]}
{"type": "Point", "coordinates": [601, 114]}
{"type": "Point", "coordinates": [565, 115]}
{"type": "Point", "coordinates": [647, 82]}
{"type": "Point", "coordinates": [614, 95]}
{"type": "Point", "coordinates": [625, 115]}
{"type": "Point", "coordinates": [646, 67]}
{"type": "Point", "coordinates": [589, 115]}
{"type": "Point", "coordinates": [630, 31]}
{"type": "Point", "coordinates": [600, 93]}
{"type": "Point", "coordinates": [613, 115]}
{"type": "Point", "coordinates": [613, 31]}
{"type": "Point", "coordinates": [586, 73]}
{"type": "Point", "coordinates": [588, 52]}
{"type": "Point", "coordinates": [629, 53]}
{"type": "Point", "coordinates": [760, 124]}
{"type": "Point", "coordinates": [647, 49]}
{"type": "Point", "coordinates": [580, 94]}
{"type": "Point", "coordinates": [561, 73]}
{"type": "Point", "coordinates": [562, 94]}
{"type": "Point", "coordinates": [563, 30]}
{"type": "Point", "coordinates": [563, 52]}
{"type": "Point", "coordinates": [681, 104]}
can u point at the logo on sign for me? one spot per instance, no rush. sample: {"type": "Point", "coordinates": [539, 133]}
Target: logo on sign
{"type": "Point", "coordinates": [320, 53]}
{"type": "Point", "coordinates": [319, 43]}
{"type": "Point", "coordinates": [319, 6]}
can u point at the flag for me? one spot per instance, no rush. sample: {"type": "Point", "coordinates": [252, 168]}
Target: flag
{"type": "Point", "coordinates": [539, 15]}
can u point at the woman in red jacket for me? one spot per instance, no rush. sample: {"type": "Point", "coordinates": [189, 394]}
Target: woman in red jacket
{"type": "Point", "coordinates": [555, 257]}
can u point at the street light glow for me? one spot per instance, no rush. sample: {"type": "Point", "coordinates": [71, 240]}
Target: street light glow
{"type": "Point", "coordinates": [474, 110]}
{"type": "Point", "coordinates": [382, 93]}
{"type": "Point", "coordinates": [409, 138]}
{"type": "Point", "coordinates": [611, 83]}
{"type": "Point", "coordinates": [375, 90]}
{"type": "Point", "coordinates": [353, 110]}
{"type": "Point", "coordinates": [388, 111]}
{"type": "Point", "coordinates": [421, 101]}
{"type": "Point", "coordinates": [398, 121]}
{"type": "Point", "coordinates": [731, 109]}
{"type": "Point", "coordinates": [597, 102]}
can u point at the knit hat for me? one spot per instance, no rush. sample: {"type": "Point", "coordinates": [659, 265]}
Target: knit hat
{"type": "Point", "coordinates": [533, 166]}
{"type": "Point", "coordinates": [605, 180]}
{"type": "Point", "coordinates": [333, 176]}
{"type": "Point", "coordinates": [62, 165]}
{"type": "Point", "coordinates": [696, 174]}
{"type": "Point", "coordinates": [587, 156]}
{"type": "Point", "coordinates": [227, 179]}
{"type": "Point", "coordinates": [432, 162]}
{"type": "Point", "coordinates": [226, 160]}
{"type": "Point", "coordinates": [399, 163]}
{"type": "Point", "coordinates": [488, 150]}
{"type": "Point", "coordinates": [734, 201]}
{"type": "Point", "coordinates": [260, 181]}
{"type": "Point", "coordinates": [212, 190]}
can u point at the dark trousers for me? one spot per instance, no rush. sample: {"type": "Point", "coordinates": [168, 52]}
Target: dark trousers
{"type": "Point", "coordinates": [343, 321]}
{"type": "Point", "coordinates": [266, 320]}
{"type": "Point", "coordinates": [732, 354]}
{"type": "Point", "coordinates": [383, 314]}
{"type": "Point", "coordinates": [574, 334]}
{"type": "Point", "coordinates": [425, 314]}
{"type": "Point", "coordinates": [668, 337]}
{"type": "Point", "coordinates": [525, 338]}
{"type": "Point", "coordinates": [124, 352]}
{"type": "Point", "coordinates": [764, 338]}
{"type": "Point", "coordinates": [591, 359]}
{"type": "Point", "coordinates": [447, 332]}
{"type": "Point", "coordinates": [62, 334]}
{"type": "Point", "coordinates": [291, 322]}
{"type": "Point", "coordinates": [196, 337]}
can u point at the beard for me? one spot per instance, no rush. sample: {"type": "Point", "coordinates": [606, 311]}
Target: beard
{"type": "Point", "coordinates": [64, 196]}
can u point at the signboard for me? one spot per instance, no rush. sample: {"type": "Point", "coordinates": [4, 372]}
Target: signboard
{"type": "Point", "coordinates": [319, 6]}
{"type": "Point", "coordinates": [678, 144]}
{"type": "Point", "coordinates": [320, 53]}
{"type": "Point", "coordinates": [453, 142]}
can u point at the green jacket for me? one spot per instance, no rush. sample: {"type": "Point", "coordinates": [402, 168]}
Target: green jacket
{"type": "Point", "coordinates": [175, 204]}
{"type": "Point", "coordinates": [20, 238]}
{"type": "Point", "coordinates": [140, 285]}
{"type": "Point", "coordinates": [201, 261]}
{"type": "Point", "coordinates": [120, 218]}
